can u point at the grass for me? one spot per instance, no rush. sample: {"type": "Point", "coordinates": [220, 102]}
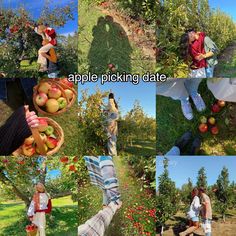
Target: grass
{"type": "Point", "coordinates": [171, 124]}
{"type": "Point", "coordinates": [132, 195]}
{"type": "Point", "coordinates": [62, 221]}
{"type": "Point", "coordinates": [103, 41]}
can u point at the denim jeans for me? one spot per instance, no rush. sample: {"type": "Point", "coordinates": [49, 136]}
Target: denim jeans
{"type": "Point", "coordinates": [210, 71]}
{"type": "Point", "coordinates": [174, 151]}
{"type": "Point", "coordinates": [208, 222]}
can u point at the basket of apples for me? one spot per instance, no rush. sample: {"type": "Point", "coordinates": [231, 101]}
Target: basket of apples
{"type": "Point", "coordinates": [52, 97]}
{"type": "Point", "coordinates": [31, 230]}
{"type": "Point", "coordinates": [45, 140]}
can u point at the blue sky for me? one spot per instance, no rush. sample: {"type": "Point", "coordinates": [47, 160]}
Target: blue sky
{"type": "Point", "coordinates": [35, 8]}
{"type": "Point", "coordinates": [181, 168]}
{"type": "Point", "coordinates": [227, 6]}
{"type": "Point", "coordinates": [127, 93]}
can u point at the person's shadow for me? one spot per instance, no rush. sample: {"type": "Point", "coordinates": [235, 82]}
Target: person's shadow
{"type": "Point", "coordinates": [110, 45]}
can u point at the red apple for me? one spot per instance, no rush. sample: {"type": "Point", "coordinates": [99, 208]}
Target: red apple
{"type": "Point", "coordinates": [212, 120]}
{"type": "Point", "coordinates": [75, 159]}
{"type": "Point", "coordinates": [214, 130]}
{"type": "Point", "coordinates": [67, 82]}
{"type": "Point", "coordinates": [43, 124]}
{"type": "Point", "coordinates": [221, 103]}
{"type": "Point", "coordinates": [52, 105]}
{"type": "Point", "coordinates": [203, 128]}
{"type": "Point", "coordinates": [44, 87]}
{"type": "Point", "coordinates": [64, 159]}
{"type": "Point", "coordinates": [28, 150]}
{"type": "Point", "coordinates": [29, 140]}
{"type": "Point", "coordinates": [72, 168]}
{"type": "Point", "coordinates": [62, 102]}
{"type": "Point", "coordinates": [41, 99]}
{"type": "Point", "coordinates": [110, 66]}
{"type": "Point", "coordinates": [215, 108]}
{"type": "Point", "coordinates": [54, 92]}
{"type": "Point", "coordinates": [69, 94]}
{"type": "Point", "coordinates": [51, 142]}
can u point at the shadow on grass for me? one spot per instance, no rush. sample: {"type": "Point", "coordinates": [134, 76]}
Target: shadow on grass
{"type": "Point", "coordinates": [171, 124]}
{"type": "Point", "coordinates": [110, 45]}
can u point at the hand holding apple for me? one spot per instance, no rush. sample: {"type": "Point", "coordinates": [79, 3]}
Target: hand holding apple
{"type": "Point", "coordinates": [32, 119]}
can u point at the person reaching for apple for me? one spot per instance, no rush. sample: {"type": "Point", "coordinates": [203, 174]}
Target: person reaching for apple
{"type": "Point", "coordinates": [16, 129]}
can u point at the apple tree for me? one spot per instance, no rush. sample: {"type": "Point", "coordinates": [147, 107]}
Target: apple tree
{"type": "Point", "coordinates": [202, 179]}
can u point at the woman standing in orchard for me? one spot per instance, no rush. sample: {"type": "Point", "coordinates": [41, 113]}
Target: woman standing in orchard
{"type": "Point", "coordinates": [39, 206]}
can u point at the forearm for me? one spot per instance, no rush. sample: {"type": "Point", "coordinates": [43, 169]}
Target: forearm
{"type": "Point", "coordinates": [208, 54]}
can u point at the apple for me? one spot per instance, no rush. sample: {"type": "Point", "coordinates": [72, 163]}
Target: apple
{"type": "Point", "coordinates": [214, 130]}
{"type": "Point", "coordinates": [203, 128]}
{"type": "Point", "coordinates": [113, 69]}
{"type": "Point", "coordinates": [51, 142]}
{"type": "Point", "coordinates": [62, 102]}
{"type": "Point", "coordinates": [49, 131]}
{"type": "Point", "coordinates": [43, 124]}
{"type": "Point", "coordinates": [221, 103]}
{"type": "Point", "coordinates": [54, 92]}
{"type": "Point", "coordinates": [64, 159]}
{"type": "Point", "coordinates": [203, 119]}
{"type": "Point", "coordinates": [67, 82]}
{"type": "Point", "coordinates": [72, 168]}
{"type": "Point", "coordinates": [75, 159]}
{"type": "Point", "coordinates": [52, 105]}
{"type": "Point", "coordinates": [29, 140]}
{"type": "Point", "coordinates": [110, 66]}
{"type": "Point", "coordinates": [44, 87]}
{"type": "Point", "coordinates": [43, 137]}
{"type": "Point", "coordinates": [28, 150]}
{"type": "Point", "coordinates": [215, 108]}
{"type": "Point", "coordinates": [212, 120]}
{"type": "Point", "coordinates": [45, 148]}
{"type": "Point", "coordinates": [41, 99]}
{"type": "Point", "coordinates": [69, 94]}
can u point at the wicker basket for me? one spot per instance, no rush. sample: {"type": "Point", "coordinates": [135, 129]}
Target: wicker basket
{"type": "Point", "coordinates": [33, 231]}
{"type": "Point", "coordinates": [52, 82]}
{"type": "Point", "coordinates": [58, 131]}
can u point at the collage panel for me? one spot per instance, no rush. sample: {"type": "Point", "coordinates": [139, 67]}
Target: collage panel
{"type": "Point", "coordinates": [117, 130]}
{"type": "Point", "coordinates": [38, 196]}
{"type": "Point", "coordinates": [195, 195]}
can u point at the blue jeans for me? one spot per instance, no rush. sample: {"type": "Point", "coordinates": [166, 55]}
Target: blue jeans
{"type": "Point", "coordinates": [210, 71]}
{"type": "Point", "coordinates": [209, 222]}
{"type": "Point", "coordinates": [174, 151]}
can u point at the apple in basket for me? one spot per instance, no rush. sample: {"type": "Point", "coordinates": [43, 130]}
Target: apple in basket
{"type": "Point", "coordinates": [49, 131]}
{"type": "Point", "coordinates": [43, 137]}
{"type": "Point", "coordinates": [69, 94]}
{"type": "Point", "coordinates": [62, 102]}
{"type": "Point", "coordinates": [67, 82]}
{"type": "Point", "coordinates": [54, 92]}
{"type": "Point", "coordinates": [43, 124]}
{"type": "Point", "coordinates": [45, 148]}
{"type": "Point", "coordinates": [52, 105]}
{"type": "Point", "coordinates": [29, 140]}
{"type": "Point", "coordinates": [51, 142]}
{"type": "Point", "coordinates": [44, 87]}
{"type": "Point", "coordinates": [28, 150]}
{"type": "Point", "coordinates": [41, 99]}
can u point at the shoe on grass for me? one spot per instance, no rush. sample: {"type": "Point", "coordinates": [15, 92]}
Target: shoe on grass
{"type": "Point", "coordinates": [187, 109]}
{"type": "Point", "coordinates": [195, 146]}
{"type": "Point", "coordinates": [183, 141]}
{"type": "Point", "coordinates": [198, 102]}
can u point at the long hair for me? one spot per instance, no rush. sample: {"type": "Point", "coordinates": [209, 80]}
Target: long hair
{"type": "Point", "coordinates": [36, 196]}
{"type": "Point", "coordinates": [194, 192]}
{"type": "Point", "coordinates": [111, 96]}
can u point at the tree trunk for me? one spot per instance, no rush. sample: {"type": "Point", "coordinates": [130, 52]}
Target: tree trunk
{"type": "Point", "coordinates": [162, 230]}
{"type": "Point", "coordinates": [63, 194]}
{"type": "Point", "coordinates": [224, 218]}
{"type": "Point", "coordinates": [17, 191]}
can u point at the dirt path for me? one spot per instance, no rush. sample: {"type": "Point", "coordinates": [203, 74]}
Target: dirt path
{"type": "Point", "coordinates": [142, 35]}
{"type": "Point", "coordinates": [227, 62]}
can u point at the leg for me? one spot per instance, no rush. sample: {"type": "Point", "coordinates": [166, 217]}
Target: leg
{"type": "Point", "coordinates": [112, 145]}
{"type": "Point", "coordinates": [210, 71]}
{"type": "Point", "coordinates": [42, 60]}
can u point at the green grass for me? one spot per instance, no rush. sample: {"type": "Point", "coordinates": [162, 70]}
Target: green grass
{"type": "Point", "coordinates": [61, 222]}
{"type": "Point", "coordinates": [171, 124]}
{"type": "Point", "coordinates": [132, 195]}
{"type": "Point", "coordinates": [103, 41]}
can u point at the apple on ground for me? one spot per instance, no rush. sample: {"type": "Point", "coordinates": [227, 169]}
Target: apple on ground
{"type": "Point", "coordinates": [41, 99]}
{"type": "Point", "coordinates": [221, 103]}
{"type": "Point", "coordinates": [214, 130]}
{"type": "Point", "coordinates": [212, 120]}
{"type": "Point", "coordinates": [215, 108]}
{"type": "Point", "coordinates": [203, 120]}
{"type": "Point", "coordinates": [43, 124]}
{"type": "Point", "coordinates": [52, 105]}
{"type": "Point", "coordinates": [44, 87]}
{"type": "Point", "coordinates": [203, 128]}
{"type": "Point", "coordinates": [49, 131]}
{"type": "Point", "coordinates": [62, 102]}
{"type": "Point", "coordinates": [64, 159]}
{"type": "Point", "coordinates": [28, 150]}
{"type": "Point", "coordinates": [29, 140]}
{"type": "Point", "coordinates": [45, 148]}
{"type": "Point", "coordinates": [72, 168]}
{"type": "Point", "coordinates": [110, 66]}
{"type": "Point", "coordinates": [69, 94]}
{"type": "Point", "coordinates": [75, 159]}
{"type": "Point", "coordinates": [51, 142]}
{"type": "Point", "coordinates": [43, 137]}
{"type": "Point", "coordinates": [54, 92]}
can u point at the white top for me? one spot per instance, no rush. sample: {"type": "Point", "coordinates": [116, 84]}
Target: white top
{"type": "Point", "coordinates": [195, 207]}
{"type": "Point", "coordinates": [43, 204]}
